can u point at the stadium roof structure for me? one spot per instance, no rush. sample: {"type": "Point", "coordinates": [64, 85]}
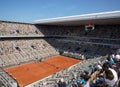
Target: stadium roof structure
{"type": "Point", "coordinates": [112, 17]}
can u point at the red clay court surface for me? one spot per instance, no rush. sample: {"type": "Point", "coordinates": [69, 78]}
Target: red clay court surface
{"type": "Point", "coordinates": [31, 72]}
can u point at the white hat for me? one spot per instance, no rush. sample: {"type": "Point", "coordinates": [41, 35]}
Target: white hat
{"type": "Point", "coordinates": [62, 80]}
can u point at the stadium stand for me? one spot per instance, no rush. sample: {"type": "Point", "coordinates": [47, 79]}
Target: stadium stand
{"type": "Point", "coordinates": [7, 80]}
{"type": "Point", "coordinates": [17, 29]}
{"type": "Point", "coordinates": [23, 43]}
{"type": "Point", "coordinates": [19, 51]}
{"type": "Point", "coordinates": [100, 31]}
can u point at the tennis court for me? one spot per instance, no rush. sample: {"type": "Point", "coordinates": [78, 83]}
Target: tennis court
{"type": "Point", "coordinates": [28, 73]}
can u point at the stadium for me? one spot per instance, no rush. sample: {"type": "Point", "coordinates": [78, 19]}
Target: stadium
{"type": "Point", "coordinates": [56, 52]}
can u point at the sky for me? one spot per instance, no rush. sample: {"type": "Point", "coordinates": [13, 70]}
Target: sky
{"type": "Point", "coordinates": [31, 10]}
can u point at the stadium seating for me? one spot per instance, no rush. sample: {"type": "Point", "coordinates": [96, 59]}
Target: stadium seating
{"type": "Point", "coordinates": [83, 47]}
{"type": "Point", "coordinates": [100, 31]}
{"type": "Point", "coordinates": [17, 29]}
{"type": "Point", "coordinates": [7, 80]}
{"type": "Point", "coordinates": [24, 29]}
{"type": "Point", "coordinates": [73, 41]}
{"type": "Point", "coordinates": [21, 51]}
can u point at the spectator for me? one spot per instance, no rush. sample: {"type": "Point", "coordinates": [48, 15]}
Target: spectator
{"type": "Point", "coordinates": [100, 82]}
{"type": "Point", "coordinates": [99, 66]}
{"type": "Point", "coordinates": [112, 74]}
{"type": "Point", "coordinates": [85, 82]}
{"type": "Point", "coordinates": [117, 57]}
{"type": "Point", "coordinates": [111, 62]}
{"type": "Point", "coordinates": [88, 83]}
{"type": "Point", "coordinates": [61, 83]}
{"type": "Point", "coordinates": [110, 79]}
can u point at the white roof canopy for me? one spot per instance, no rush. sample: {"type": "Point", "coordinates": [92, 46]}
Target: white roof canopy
{"type": "Point", "coordinates": [112, 17]}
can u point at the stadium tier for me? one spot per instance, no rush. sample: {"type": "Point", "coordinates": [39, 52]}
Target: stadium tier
{"type": "Point", "coordinates": [58, 52]}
